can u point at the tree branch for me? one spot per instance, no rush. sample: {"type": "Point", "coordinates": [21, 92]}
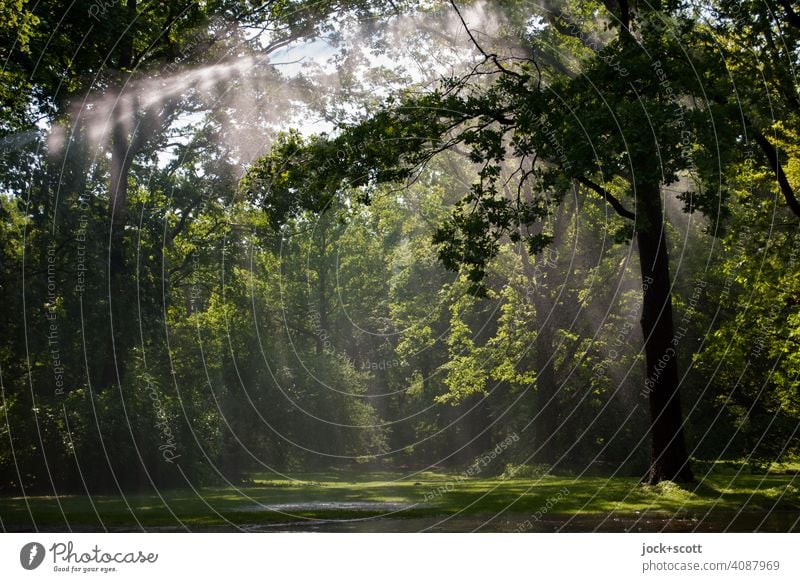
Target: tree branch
{"type": "Point", "coordinates": [488, 56]}
{"type": "Point", "coordinates": [772, 155]}
{"type": "Point", "coordinates": [621, 9]}
{"type": "Point", "coordinates": [184, 215]}
{"type": "Point", "coordinates": [791, 15]}
{"type": "Point", "coordinates": [608, 197]}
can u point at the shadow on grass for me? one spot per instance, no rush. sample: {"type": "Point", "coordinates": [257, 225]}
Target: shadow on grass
{"type": "Point", "coordinates": [385, 500]}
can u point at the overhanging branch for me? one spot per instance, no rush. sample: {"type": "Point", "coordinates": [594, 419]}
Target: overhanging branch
{"type": "Point", "coordinates": [608, 197]}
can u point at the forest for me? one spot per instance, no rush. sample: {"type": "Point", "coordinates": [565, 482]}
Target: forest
{"type": "Point", "coordinates": [524, 261]}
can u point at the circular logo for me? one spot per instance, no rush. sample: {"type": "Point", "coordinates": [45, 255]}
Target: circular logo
{"type": "Point", "coordinates": [31, 555]}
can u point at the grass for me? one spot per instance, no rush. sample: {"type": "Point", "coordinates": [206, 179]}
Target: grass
{"type": "Point", "coordinates": [428, 495]}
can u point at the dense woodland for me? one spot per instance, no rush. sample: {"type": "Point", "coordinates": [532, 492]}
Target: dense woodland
{"type": "Point", "coordinates": [571, 222]}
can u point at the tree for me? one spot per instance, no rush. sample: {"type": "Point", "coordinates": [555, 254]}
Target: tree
{"type": "Point", "coordinates": [628, 118]}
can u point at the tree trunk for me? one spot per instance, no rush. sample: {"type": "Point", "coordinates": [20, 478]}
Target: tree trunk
{"type": "Point", "coordinates": [113, 366]}
{"type": "Point", "coordinates": [669, 460]}
{"type": "Point", "coordinates": [322, 291]}
{"type": "Point", "coordinates": [546, 399]}
{"type": "Point", "coordinates": [121, 145]}
{"type": "Point", "coordinates": [118, 189]}
{"type": "Point", "coordinates": [546, 426]}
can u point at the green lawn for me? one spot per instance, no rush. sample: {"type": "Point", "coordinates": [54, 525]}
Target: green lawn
{"type": "Point", "coordinates": [425, 495]}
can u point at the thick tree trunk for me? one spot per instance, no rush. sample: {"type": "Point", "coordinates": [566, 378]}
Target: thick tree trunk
{"type": "Point", "coordinates": [669, 460]}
